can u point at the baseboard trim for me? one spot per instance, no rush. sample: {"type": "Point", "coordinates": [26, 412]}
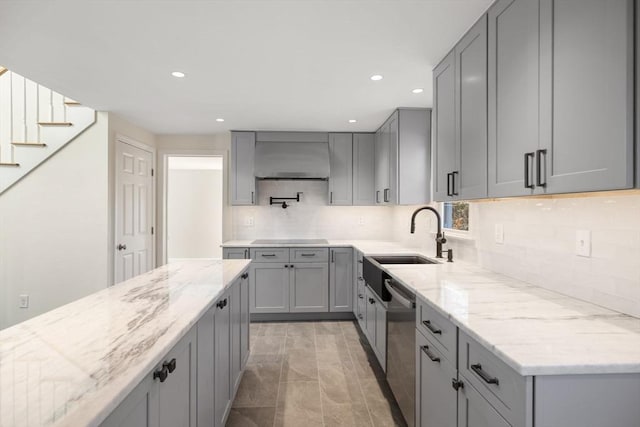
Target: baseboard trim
{"type": "Point", "coordinates": [286, 317]}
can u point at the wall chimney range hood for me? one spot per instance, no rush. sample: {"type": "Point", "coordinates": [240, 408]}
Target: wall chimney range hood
{"type": "Point", "coordinates": [292, 155]}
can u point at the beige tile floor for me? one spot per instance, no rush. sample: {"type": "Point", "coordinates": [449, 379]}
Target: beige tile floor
{"type": "Point", "coordinates": [306, 374]}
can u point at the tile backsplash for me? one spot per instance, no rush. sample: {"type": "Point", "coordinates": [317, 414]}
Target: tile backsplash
{"type": "Point", "coordinates": [312, 217]}
{"type": "Point", "coordinates": [539, 244]}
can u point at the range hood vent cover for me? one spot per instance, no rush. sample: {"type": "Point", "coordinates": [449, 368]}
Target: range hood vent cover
{"type": "Point", "coordinates": [302, 159]}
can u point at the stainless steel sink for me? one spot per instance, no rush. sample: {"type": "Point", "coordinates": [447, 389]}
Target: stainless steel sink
{"type": "Point", "coordinates": [403, 259]}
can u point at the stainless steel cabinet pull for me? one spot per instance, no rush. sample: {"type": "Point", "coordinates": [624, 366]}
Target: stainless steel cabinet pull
{"type": "Point", "coordinates": [333, 256]}
{"type": "Point", "coordinates": [433, 357]}
{"type": "Point", "coordinates": [307, 255]}
{"type": "Point", "coordinates": [246, 253]}
{"type": "Point", "coordinates": [377, 196]}
{"type": "Point", "coordinates": [477, 368]}
{"type": "Point", "coordinates": [430, 327]}
{"type": "Point", "coordinates": [268, 255]}
{"type": "Point", "coordinates": [331, 197]}
{"type": "Point", "coordinates": [449, 185]}
{"type": "Point", "coordinates": [539, 155]}
{"type": "Point", "coordinates": [527, 174]}
{"type": "Point", "coordinates": [252, 198]}
{"type": "Point", "coordinates": [386, 194]}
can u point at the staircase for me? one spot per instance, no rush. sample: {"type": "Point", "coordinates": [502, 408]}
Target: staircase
{"type": "Point", "coordinates": [35, 122]}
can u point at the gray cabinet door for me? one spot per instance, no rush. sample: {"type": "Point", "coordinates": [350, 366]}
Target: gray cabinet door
{"type": "Point", "coordinates": [382, 163]}
{"type": "Point", "coordinates": [222, 364]}
{"type": "Point", "coordinates": [390, 195]}
{"type": "Point", "coordinates": [138, 409]}
{"type": "Point", "coordinates": [475, 411]}
{"type": "Point", "coordinates": [444, 127]}
{"type": "Point", "coordinates": [586, 120]}
{"type": "Point", "coordinates": [244, 320]}
{"type": "Point", "coordinates": [236, 356]}
{"type": "Point", "coordinates": [206, 366]}
{"type": "Point", "coordinates": [364, 169]}
{"type": "Point", "coordinates": [309, 291]}
{"type": "Point", "coordinates": [341, 175]}
{"type": "Point", "coordinates": [370, 316]}
{"type": "Point", "coordinates": [381, 334]}
{"type": "Point", "coordinates": [235, 253]}
{"type": "Point", "coordinates": [177, 394]}
{"type": "Point", "coordinates": [340, 279]}
{"type": "Point", "coordinates": [469, 178]}
{"type": "Point", "coordinates": [269, 288]}
{"type": "Point", "coordinates": [436, 400]}
{"type": "Point", "coordinates": [242, 177]}
{"type": "Point", "coordinates": [513, 76]}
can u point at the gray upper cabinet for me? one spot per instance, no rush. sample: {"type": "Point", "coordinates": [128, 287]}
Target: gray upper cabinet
{"type": "Point", "coordinates": [341, 279]}
{"type": "Point", "coordinates": [341, 163]}
{"type": "Point", "coordinates": [242, 177]}
{"type": "Point", "coordinates": [586, 92]}
{"type": "Point", "coordinates": [513, 83]}
{"type": "Point", "coordinates": [469, 179]}
{"type": "Point", "coordinates": [403, 158]}
{"type": "Point", "coordinates": [364, 169]}
{"type": "Point", "coordinates": [444, 127]}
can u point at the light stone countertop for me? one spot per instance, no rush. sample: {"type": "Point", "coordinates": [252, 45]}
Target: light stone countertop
{"type": "Point", "coordinates": [534, 330]}
{"type": "Point", "coordinates": [74, 365]}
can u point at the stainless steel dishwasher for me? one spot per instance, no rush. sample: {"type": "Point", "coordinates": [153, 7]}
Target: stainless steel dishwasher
{"type": "Point", "coordinates": [401, 341]}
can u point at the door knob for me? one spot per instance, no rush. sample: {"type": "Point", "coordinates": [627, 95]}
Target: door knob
{"type": "Point", "coordinates": [122, 247]}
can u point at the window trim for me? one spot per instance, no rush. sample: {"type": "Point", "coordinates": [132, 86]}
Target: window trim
{"type": "Point", "coordinates": [452, 232]}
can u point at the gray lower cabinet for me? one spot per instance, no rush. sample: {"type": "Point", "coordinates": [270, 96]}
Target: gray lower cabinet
{"type": "Point", "coordinates": [309, 287]}
{"type": "Point", "coordinates": [235, 253]}
{"type": "Point", "coordinates": [340, 279]}
{"type": "Point", "coordinates": [376, 326]}
{"type": "Point", "coordinates": [269, 287]}
{"type": "Point", "coordinates": [163, 402]}
{"type": "Point", "coordinates": [222, 360]}
{"type": "Point", "coordinates": [341, 164]}
{"type": "Point", "coordinates": [195, 383]}
{"type": "Point", "coordinates": [241, 176]}
{"type": "Point", "coordinates": [244, 320]}
{"type": "Point", "coordinates": [475, 411]}
{"type": "Point", "coordinates": [364, 169]}
{"type": "Point", "coordinates": [435, 397]}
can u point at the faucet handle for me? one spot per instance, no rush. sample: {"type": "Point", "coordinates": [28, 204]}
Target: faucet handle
{"type": "Point", "coordinates": [441, 239]}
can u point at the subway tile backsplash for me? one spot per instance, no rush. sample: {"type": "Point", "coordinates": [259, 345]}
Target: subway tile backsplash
{"type": "Point", "coordinates": [539, 236]}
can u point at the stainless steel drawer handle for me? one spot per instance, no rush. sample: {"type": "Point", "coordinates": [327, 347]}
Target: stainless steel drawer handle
{"type": "Point", "coordinates": [432, 328]}
{"type": "Point", "coordinates": [477, 368]}
{"type": "Point", "coordinates": [430, 355]}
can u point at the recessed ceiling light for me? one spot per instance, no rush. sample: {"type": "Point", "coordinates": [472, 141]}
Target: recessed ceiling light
{"type": "Point", "coordinates": [219, 120]}
{"type": "Point", "coordinates": [352, 120]}
{"type": "Point", "coordinates": [418, 90]}
{"type": "Point", "coordinates": [178, 74]}
{"type": "Point", "coordinates": [376, 77]}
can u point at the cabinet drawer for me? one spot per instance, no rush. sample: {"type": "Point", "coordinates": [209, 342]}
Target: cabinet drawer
{"type": "Point", "coordinates": [309, 254]}
{"type": "Point", "coordinates": [270, 254]}
{"type": "Point", "coordinates": [503, 387]}
{"type": "Point", "coordinates": [437, 329]}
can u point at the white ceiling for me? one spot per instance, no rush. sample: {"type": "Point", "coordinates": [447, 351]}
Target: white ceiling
{"type": "Point", "coordinates": [268, 64]}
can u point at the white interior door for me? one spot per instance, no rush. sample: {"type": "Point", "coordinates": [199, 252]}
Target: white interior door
{"type": "Point", "coordinates": [134, 211]}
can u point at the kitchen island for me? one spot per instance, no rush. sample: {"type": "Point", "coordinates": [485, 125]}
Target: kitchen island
{"type": "Point", "coordinates": [74, 365]}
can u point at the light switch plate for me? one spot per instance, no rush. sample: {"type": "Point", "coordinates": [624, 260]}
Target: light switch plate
{"type": "Point", "coordinates": [248, 221]}
{"type": "Point", "coordinates": [583, 243]}
{"type": "Point", "coordinates": [24, 301]}
{"type": "Point", "coordinates": [499, 234]}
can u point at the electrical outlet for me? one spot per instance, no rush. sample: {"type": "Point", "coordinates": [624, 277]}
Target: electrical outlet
{"type": "Point", "coordinates": [583, 243]}
{"type": "Point", "coordinates": [24, 301]}
{"type": "Point", "coordinates": [361, 220]}
{"type": "Point", "coordinates": [248, 221]}
{"type": "Point", "coordinates": [499, 234]}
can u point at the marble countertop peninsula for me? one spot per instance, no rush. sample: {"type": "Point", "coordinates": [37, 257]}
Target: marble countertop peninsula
{"type": "Point", "coordinates": [73, 366]}
{"type": "Point", "coordinates": [534, 330]}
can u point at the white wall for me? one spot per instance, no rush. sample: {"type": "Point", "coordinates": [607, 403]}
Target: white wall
{"type": "Point", "coordinates": [540, 241]}
{"type": "Point", "coordinates": [194, 213]}
{"type": "Point", "coordinates": [311, 217]}
{"type": "Point", "coordinates": [54, 229]}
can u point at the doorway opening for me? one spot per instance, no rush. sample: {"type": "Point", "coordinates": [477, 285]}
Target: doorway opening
{"type": "Point", "coordinates": [194, 207]}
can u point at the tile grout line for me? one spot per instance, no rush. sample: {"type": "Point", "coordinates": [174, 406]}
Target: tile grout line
{"type": "Point", "coordinates": [364, 397]}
